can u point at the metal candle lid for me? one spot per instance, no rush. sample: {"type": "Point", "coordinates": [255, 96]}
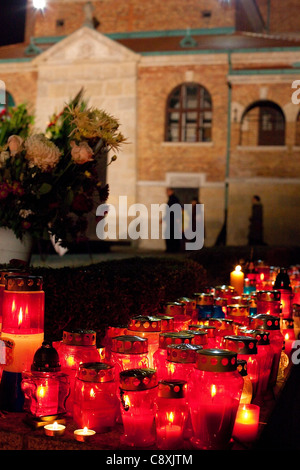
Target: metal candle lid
{"type": "Point", "coordinates": [241, 344]}
{"type": "Point", "coordinates": [261, 336]}
{"type": "Point", "coordinates": [99, 372]}
{"type": "Point", "coordinates": [268, 295]}
{"type": "Point", "coordinates": [173, 308]}
{"type": "Point", "coordinates": [172, 388]}
{"type": "Point", "coordinates": [216, 360]}
{"type": "Point", "coordinates": [137, 380]}
{"type": "Point", "coordinates": [182, 353]}
{"type": "Point", "coordinates": [9, 272]}
{"type": "Point", "coordinates": [204, 298]}
{"type": "Point", "coordinates": [264, 321]}
{"type": "Point", "coordinates": [225, 290]}
{"type": "Point", "coordinates": [46, 359]}
{"type": "Point", "coordinates": [79, 337]}
{"type": "Point", "coordinates": [237, 310]}
{"type": "Point", "coordinates": [242, 367]}
{"type": "Point", "coordinates": [147, 324]}
{"type": "Point", "coordinates": [200, 336]}
{"type": "Point", "coordinates": [23, 283]}
{"type": "Point", "coordinates": [222, 301]}
{"type": "Point", "coordinates": [190, 304]}
{"type": "Point", "coordinates": [167, 322]}
{"type": "Point", "coordinates": [129, 344]}
{"type": "Point", "coordinates": [174, 337]}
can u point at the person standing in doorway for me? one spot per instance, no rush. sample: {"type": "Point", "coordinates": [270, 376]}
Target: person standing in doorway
{"type": "Point", "coordinates": [255, 235]}
{"type": "Point", "coordinates": [174, 223]}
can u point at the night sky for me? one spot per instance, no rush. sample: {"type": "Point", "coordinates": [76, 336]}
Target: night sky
{"type": "Point", "coordinates": [12, 21]}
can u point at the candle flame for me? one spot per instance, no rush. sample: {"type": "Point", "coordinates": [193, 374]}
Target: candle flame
{"type": "Point", "coordinates": [55, 426]}
{"type": "Point", "coordinates": [92, 393]}
{"type": "Point", "coordinates": [85, 430]}
{"type": "Point", "coordinates": [245, 412]}
{"type": "Point", "coordinates": [213, 391]}
{"type": "Point", "coordinates": [262, 276]}
{"type": "Point", "coordinates": [41, 392]}
{"type": "Point", "coordinates": [126, 400]}
{"type": "Point", "coordinates": [170, 417]}
{"type": "Point", "coordinates": [20, 317]}
{"type": "Point", "coordinates": [70, 361]}
{"type": "Point", "coordinates": [238, 268]}
{"type": "Point", "coordinates": [286, 337]}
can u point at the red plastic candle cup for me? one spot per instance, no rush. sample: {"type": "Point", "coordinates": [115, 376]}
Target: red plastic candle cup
{"type": "Point", "coordinates": [270, 323]}
{"type": "Point", "coordinates": [111, 332]}
{"type": "Point", "coordinates": [165, 340]}
{"type": "Point", "coordinates": [171, 412]}
{"type": "Point", "coordinates": [200, 337]}
{"type": "Point", "coordinates": [167, 323]}
{"type": "Point", "coordinates": [45, 387]}
{"type": "Point", "coordinates": [246, 423]}
{"type": "Point", "coordinates": [190, 306]}
{"type": "Point", "coordinates": [246, 348]}
{"type": "Point", "coordinates": [268, 301]}
{"type": "Point", "coordinates": [224, 327]}
{"type": "Point", "coordinates": [226, 292]}
{"type": "Point", "coordinates": [138, 392]}
{"type": "Point", "coordinates": [77, 346]}
{"type": "Point", "coordinates": [146, 327]}
{"type": "Point", "coordinates": [210, 331]}
{"type": "Point", "coordinates": [215, 392]}
{"type": "Point", "coordinates": [23, 320]}
{"type": "Point", "coordinates": [129, 352]}
{"type": "Point", "coordinates": [95, 397]}
{"type": "Point", "coordinates": [181, 360]}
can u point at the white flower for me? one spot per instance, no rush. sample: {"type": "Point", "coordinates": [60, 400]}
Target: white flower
{"type": "Point", "coordinates": [24, 213]}
{"type": "Point", "coordinates": [4, 155]}
{"type": "Point", "coordinates": [41, 152]}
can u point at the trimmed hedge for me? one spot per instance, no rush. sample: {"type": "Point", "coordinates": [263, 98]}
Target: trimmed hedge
{"type": "Point", "coordinates": [110, 292]}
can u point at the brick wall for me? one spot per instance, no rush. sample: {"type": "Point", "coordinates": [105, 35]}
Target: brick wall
{"type": "Point", "coordinates": [134, 15]}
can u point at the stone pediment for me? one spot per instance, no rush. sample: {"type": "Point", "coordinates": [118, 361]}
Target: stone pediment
{"type": "Point", "coordinates": [85, 45]}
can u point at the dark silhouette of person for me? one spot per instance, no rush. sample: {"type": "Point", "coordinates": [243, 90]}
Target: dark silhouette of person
{"type": "Point", "coordinates": [255, 234]}
{"type": "Point", "coordinates": [174, 224]}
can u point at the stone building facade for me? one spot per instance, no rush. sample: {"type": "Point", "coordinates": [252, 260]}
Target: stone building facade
{"type": "Point", "coordinates": [233, 63]}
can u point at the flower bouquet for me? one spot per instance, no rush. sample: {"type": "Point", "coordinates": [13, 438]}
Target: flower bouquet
{"type": "Point", "coordinates": [49, 182]}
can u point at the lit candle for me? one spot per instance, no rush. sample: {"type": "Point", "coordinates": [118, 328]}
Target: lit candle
{"type": "Point", "coordinates": [246, 423]}
{"type": "Point", "coordinates": [170, 434]}
{"type": "Point", "coordinates": [237, 280]}
{"type": "Point", "coordinates": [83, 435]}
{"type": "Point", "coordinates": [54, 429]}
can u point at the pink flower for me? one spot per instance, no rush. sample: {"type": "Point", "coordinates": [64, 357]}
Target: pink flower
{"type": "Point", "coordinates": [81, 153]}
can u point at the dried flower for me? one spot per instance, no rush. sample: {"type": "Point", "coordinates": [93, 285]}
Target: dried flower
{"type": "Point", "coordinates": [15, 143]}
{"type": "Point", "coordinates": [81, 153]}
{"type": "Point", "coordinates": [41, 152]}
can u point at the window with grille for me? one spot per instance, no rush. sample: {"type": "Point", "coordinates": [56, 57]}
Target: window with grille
{"type": "Point", "coordinates": [189, 114]}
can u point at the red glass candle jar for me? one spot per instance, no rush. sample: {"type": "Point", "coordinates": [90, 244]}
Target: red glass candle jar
{"type": "Point", "coordinates": [238, 313]}
{"type": "Point", "coordinates": [210, 331]}
{"type": "Point", "coordinates": [146, 327]}
{"type": "Point", "coordinates": [45, 387]}
{"type": "Point", "coordinates": [95, 397]}
{"type": "Point", "coordinates": [282, 284]}
{"type": "Point", "coordinates": [167, 323]}
{"type": "Point", "coordinates": [171, 412]}
{"type": "Point", "coordinates": [3, 273]}
{"type": "Point", "coordinates": [129, 352]}
{"type": "Point", "coordinates": [180, 361]}
{"type": "Point", "coordinates": [271, 324]}
{"type": "Point", "coordinates": [226, 292]}
{"type": "Point", "coordinates": [200, 337]}
{"type": "Point", "coordinates": [220, 307]}
{"type": "Point", "coordinates": [177, 310]}
{"type": "Point", "coordinates": [138, 393]}
{"type": "Point", "coordinates": [223, 327]}
{"type": "Point", "coordinates": [268, 301]}
{"type": "Point", "coordinates": [265, 358]}
{"type": "Point", "coordinates": [23, 319]}
{"type": "Point", "coordinates": [288, 332]}
{"type": "Point", "coordinates": [215, 392]}
{"type": "Point", "coordinates": [165, 340]}
{"type": "Point", "coordinates": [246, 348]}
{"type": "Point", "coordinates": [110, 333]}
{"type": "Point", "coordinates": [77, 346]}
{"type": "Point", "coordinates": [247, 392]}
{"type": "Point", "coordinates": [205, 305]}
{"type": "Point", "coordinates": [190, 307]}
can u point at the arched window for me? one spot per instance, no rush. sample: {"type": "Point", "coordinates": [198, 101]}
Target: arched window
{"type": "Point", "coordinates": [262, 123]}
{"type": "Point", "coordinates": [189, 114]}
{"type": "Point", "coordinates": [9, 101]}
{"type": "Point", "coordinates": [297, 136]}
